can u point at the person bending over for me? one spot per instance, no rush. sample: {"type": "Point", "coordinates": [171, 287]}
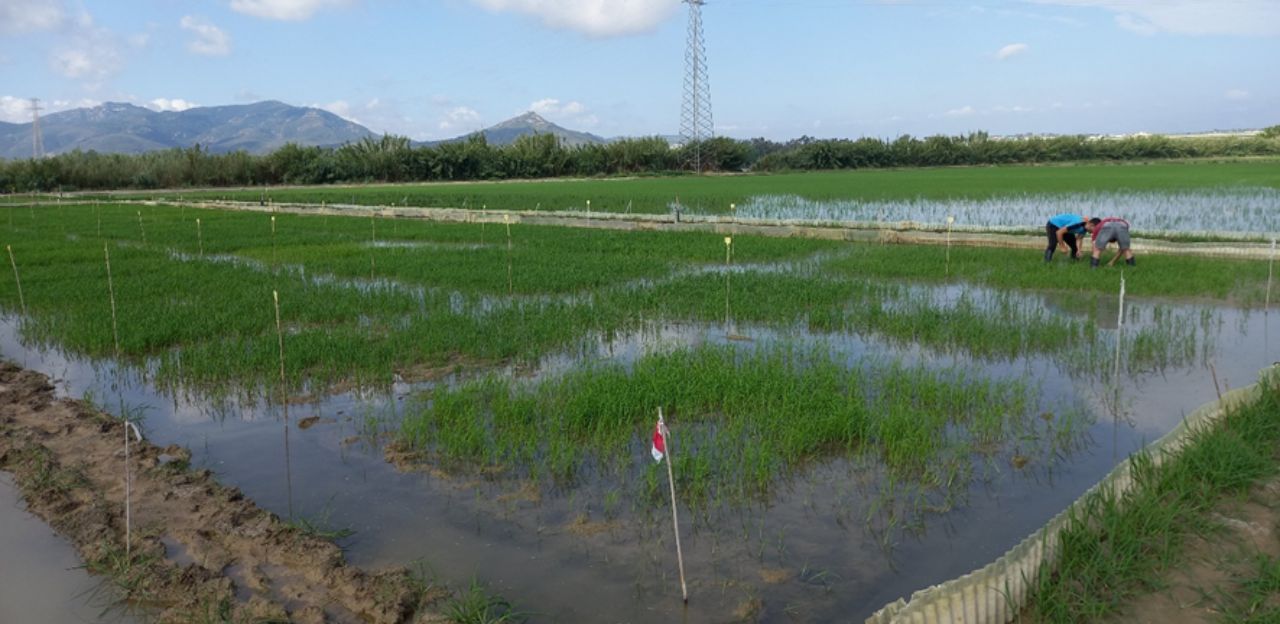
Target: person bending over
{"type": "Point", "coordinates": [1062, 231]}
{"type": "Point", "coordinates": [1104, 231]}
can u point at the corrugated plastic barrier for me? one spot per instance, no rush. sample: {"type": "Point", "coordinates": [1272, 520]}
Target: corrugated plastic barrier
{"type": "Point", "coordinates": [996, 593]}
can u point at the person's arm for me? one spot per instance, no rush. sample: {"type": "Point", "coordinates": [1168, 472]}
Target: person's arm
{"type": "Point", "coordinates": [1062, 232]}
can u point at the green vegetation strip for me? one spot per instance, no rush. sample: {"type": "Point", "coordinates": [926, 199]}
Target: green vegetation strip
{"type": "Point", "coordinates": [195, 304]}
{"type": "Point", "coordinates": [742, 418]}
{"type": "Point", "coordinates": [1116, 546]}
{"type": "Point", "coordinates": [714, 194]}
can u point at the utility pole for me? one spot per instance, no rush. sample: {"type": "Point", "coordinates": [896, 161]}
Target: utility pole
{"type": "Point", "coordinates": [37, 138]}
{"type": "Point", "coordinates": [695, 113]}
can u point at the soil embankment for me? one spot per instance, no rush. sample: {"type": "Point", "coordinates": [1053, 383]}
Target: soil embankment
{"type": "Point", "coordinates": [199, 550]}
{"type": "Point", "coordinates": [1217, 577]}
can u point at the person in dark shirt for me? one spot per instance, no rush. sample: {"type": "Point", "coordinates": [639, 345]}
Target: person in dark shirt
{"type": "Point", "coordinates": [1062, 231]}
{"type": "Point", "coordinates": [1105, 231]}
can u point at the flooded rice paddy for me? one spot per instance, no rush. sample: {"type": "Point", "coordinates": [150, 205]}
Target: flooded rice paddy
{"type": "Point", "coordinates": [1230, 212]}
{"type": "Point", "coordinates": [832, 540]}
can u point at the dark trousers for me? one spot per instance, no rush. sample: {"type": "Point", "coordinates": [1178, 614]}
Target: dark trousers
{"type": "Point", "coordinates": [1051, 231]}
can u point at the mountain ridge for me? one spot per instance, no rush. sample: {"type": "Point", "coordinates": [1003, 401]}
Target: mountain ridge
{"type": "Point", "coordinates": [527, 124]}
{"type": "Point", "coordinates": [257, 128]}
{"type": "Point", "coordinates": [121, 127]}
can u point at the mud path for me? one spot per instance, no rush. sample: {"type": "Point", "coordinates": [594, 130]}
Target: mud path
{"type": "Point", "coordinates": [199, 551]}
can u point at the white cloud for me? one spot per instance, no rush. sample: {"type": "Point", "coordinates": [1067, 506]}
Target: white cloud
{"type": "Point", "coordinates": [1236, 94]}
{"type": "Point", "coordinates": [963, 111]}
{"type": "Point", "coordinates": [75, 63]}
{"type": "Point", "coordinates": [14, 109]}
{"type": "Point", "coordinates": [1188, 17]}
{"type": "Point", "coordinates": [381, 115]}
{"type": "Point", "coordinates": [18, 109]}
{"type": "Point", "coordinates": [209, 39]}
{"type": "Point", "coordinates": [61, 105]}
{"type": "Point", "coordinates": [175, 104]}
{"type": "Point", "coordinates": [341, 108]}
{"type": "Point", "coordinates": [289, 10]}
{"type": "Point", "coordinates": [1011, 50]}
{"type": "Point", "coordinates": [552, 106]}
{"type": "Point", "coordinates": [87, 53]}
{"type": "Point", "coordinates": [18, 16]}
{"type": "Point", "coordinates": [572, 113]}
{"type": "Point", "coordinates": [596, 18]}
{"type": "Point", "coordinates": [460, 118]}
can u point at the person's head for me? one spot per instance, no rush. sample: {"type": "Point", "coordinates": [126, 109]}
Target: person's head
{"type": "Point", "coordinates": [1092, 224]}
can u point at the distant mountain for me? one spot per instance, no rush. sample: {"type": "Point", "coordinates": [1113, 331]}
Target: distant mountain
{"type": "Point", "coordinates": [527, 124]}
{"type": "Point", "coordinates": [117, 127]}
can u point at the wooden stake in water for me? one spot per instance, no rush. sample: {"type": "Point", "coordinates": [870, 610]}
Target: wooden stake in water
{"type": "Point", "coordinates": [284, 404]}
{"type": "Point", "coordinates": [675, 518]}
{"type": "Point", "coordinates": [97, 211]}
{"type": "Point", "coordinates": [373, 232]}
{"type": "Point", "coordinates": [199, 237]}
{"type": "Point", "coordinates": [950, 220]}
{"type": "Point", "coordinates": [21, 300]}
{"type": "Point", "coordinates": [128, 478]}
{"type": "Point", "coordinates": [1115, 370]}
{"type": "Point", "coordinates": [142, 229]}
{"type": "Point", "coordinates": [728, 257]}
{"type": "Point", "coordinates": [1120, 318]}
{"type": "Point", "coordinates": [1271, 265]}
{"type": "Point", "coordinates": [1216, 387]}
{"type": "Point", "coordinates": [506, 219]}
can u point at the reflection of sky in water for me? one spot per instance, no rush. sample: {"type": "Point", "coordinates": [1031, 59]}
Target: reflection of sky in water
{"type": "Point", "coordinates": [41, 577]}
{"type": "Point", "coordinates": [814, 526]}
{"type": "Point", "coordinates": [1252, 211]}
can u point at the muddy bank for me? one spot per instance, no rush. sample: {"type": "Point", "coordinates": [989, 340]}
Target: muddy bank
{"type": "Point", "coordinates": [199, 550]}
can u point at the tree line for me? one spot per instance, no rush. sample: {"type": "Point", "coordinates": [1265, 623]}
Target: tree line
{"type": "Point", "coordinates": [395, 159]}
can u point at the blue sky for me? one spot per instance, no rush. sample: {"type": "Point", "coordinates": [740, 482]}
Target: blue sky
{"type": "Point", "coordinates": [778, 68]}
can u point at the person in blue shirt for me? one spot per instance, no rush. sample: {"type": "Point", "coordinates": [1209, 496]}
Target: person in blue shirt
{"type": "Point", "coordinates": [1062, 231]}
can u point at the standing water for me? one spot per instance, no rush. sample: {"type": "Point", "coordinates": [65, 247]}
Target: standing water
{"type": "Point", "coordinates": [825, 546]}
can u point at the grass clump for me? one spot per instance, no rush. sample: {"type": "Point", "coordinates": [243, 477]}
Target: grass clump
{"type": "Point", "coordinates": [478, 605]}
{"type": "Point", "coordinates": [742, 418]}
{"type": "Point", "coordinates": [1256, 595]}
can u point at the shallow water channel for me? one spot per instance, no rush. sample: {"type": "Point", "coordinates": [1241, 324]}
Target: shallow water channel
{"type": "Point", "coordinates": [825, 547]}
{"type": "Point", "coordinates": [41, 577]}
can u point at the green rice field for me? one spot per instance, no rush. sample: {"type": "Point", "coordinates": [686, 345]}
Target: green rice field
{"type": "Point", "coordinates": [480, 397]}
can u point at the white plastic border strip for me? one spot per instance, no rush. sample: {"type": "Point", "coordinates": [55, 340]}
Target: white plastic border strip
{"type": "Point", "coordinates": [995, 594]}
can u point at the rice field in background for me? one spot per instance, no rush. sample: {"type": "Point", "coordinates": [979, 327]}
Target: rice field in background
{"type": "Point", "coordinates": [1242, 212]}
{"type": "Point", "coordinates": [1013, 195]}
{"type": "Point", "coordinates": [840, 412]}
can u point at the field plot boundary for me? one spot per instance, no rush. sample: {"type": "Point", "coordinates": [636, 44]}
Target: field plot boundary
{"type": "Point", "coordinates": [997, 592]}
{"type": "Point", "coordinates": [890, 232]}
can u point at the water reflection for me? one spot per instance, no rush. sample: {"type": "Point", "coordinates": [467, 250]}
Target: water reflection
{"type": "Point", "coordinates": [834, 542]}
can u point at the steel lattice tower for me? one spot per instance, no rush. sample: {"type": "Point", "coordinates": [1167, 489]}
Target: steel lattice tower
{"type": "Point", "coordinates": [37, 137]}
{"type": "Point", "coordinates": [695, 113]}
